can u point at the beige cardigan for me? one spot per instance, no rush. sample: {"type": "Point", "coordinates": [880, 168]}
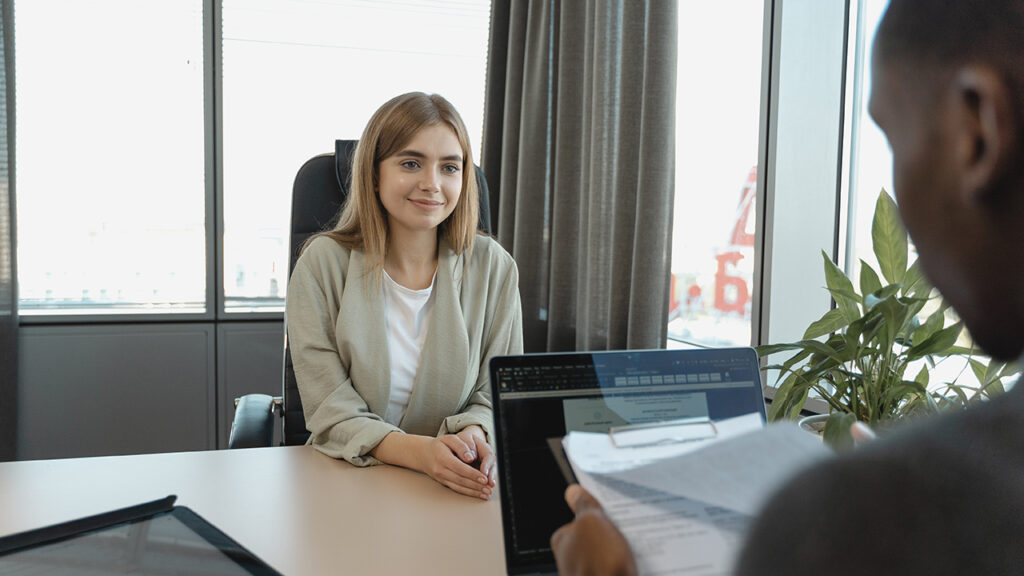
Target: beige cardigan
{"type": "Point", "coordinates": [338, 342]}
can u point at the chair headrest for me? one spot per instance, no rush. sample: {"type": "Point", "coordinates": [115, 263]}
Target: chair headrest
{"type": "Point", "coordinates": [343, 152]}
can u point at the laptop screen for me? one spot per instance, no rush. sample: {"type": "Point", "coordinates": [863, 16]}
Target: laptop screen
{"type": "Point", "coordinates": [541, 396]}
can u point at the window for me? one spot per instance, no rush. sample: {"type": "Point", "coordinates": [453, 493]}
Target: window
{"type": "Point", "coordinates": [114, 128]}
{"type": "Point", "coordinates": [110, 157]}
{"type": "Point", "coordinates": [300, 74]}
{"type": "Point", "coordinates": [870, 158]}
{"type": "Point", "coordinates": [870, 170]}
{"type": "Point", "coordinates": [717, 121]}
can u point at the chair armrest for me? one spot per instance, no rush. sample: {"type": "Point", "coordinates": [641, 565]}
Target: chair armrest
{"type": "Point", "coordinates": [253, 426]}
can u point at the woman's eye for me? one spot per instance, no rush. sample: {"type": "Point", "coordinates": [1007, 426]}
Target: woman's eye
{"type": "Point", "coordinates": [410, 164]}
{"type": "Point", "coordinates": [451, 169]}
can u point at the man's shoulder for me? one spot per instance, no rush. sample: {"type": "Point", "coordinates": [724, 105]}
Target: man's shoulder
{"type": "Point", "coordinates": [930, 499]}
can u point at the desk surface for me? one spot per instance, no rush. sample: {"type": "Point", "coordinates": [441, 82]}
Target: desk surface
{"type": "Point", "coordinates": [300, 511]}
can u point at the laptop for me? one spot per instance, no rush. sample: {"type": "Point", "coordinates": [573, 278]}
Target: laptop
{"type": "Point", "coordinates": [539, 397]}
{"type": "Point", "coordinates": [151, 538]}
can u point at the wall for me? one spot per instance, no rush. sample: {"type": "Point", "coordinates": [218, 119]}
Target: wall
{"type": "Point", "coordinates": [96, 390]}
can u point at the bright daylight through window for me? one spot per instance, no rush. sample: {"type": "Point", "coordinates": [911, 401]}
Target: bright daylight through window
{"type": "Point", "coordinates": [110, 165]}
{"type": "Point", "coordinates": [717, 112]}
{"type": "Point", "coordinates": [297, 76]}
{"type": "Point", "coordinates": [112, 194]}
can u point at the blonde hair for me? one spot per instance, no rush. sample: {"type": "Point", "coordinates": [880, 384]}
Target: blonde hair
{"type": "Point", "coordinates": [363, 224]}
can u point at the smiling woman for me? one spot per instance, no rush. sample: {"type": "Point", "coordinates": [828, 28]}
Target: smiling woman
{"type": "Point", "coordinates": [393, 316]}
{"type": "Point", "coordinates": [419, 188]}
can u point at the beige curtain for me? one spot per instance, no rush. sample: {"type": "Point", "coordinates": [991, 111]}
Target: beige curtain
{"type": "Point", "coordinates": [8, 294]}
{"type": "Point", "coordinates": [579, 154]}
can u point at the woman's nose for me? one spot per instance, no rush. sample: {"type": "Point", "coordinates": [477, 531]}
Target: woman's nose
{"type": "Point", "coordinates": [431, 181]}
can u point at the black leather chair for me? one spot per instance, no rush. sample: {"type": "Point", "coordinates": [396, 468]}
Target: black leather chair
{"type": "Point", "coordinates": [320, 189]}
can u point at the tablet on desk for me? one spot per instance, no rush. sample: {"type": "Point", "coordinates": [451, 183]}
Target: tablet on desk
{"type": "Point", "coordinates": [152, 538]}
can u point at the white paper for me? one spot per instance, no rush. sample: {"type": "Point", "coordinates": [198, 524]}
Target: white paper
{"type": "Point", "coordinates": [670, 534]}
{"type": "Point", "coordinates": [684, 508]}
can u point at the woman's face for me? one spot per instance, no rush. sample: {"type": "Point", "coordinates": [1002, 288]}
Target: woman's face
{"type": "Point", "coordinates": [421, 184]}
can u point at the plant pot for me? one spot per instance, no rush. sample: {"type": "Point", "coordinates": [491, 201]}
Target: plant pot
{"type": "Point", "coordinates": [814, 424]}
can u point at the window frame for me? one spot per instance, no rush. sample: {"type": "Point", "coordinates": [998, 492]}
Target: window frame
{"type": "Point", "coordinates": [770, 284]}
{"type": "Point", "coordinates": [786, 255]}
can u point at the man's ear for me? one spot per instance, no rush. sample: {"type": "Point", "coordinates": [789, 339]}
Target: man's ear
{"type": "Point", "coordinates": [986, 126]}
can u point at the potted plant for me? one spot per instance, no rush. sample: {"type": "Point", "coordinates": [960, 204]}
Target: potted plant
{"type": "Point", "coordinates": [856, 357]}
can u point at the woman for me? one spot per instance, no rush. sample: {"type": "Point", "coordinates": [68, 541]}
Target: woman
{"type": "Point", "coordinates": [394, 315]}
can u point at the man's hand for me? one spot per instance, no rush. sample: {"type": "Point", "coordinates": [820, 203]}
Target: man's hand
{"type": "Point", "coordinates": [590, 544]}
{"type": "Point", "coordinates": [478, 452]}
{"type": "Point", "coordinates": [862, 433]}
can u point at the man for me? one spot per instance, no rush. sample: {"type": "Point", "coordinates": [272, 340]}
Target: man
{"type": "Point", "coordinates": [947, 496]}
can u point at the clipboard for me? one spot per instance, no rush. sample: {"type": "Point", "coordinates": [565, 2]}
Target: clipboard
{"type": "Point", "coordinates": [642, 436]}
{"type": "Point", "coordinates": [665, 432]}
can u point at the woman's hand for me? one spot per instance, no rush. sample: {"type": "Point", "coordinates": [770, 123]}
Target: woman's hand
{"type": "Point", "coordinates": [439, 461]}
{"type": "Point", "coordinates": [590, 544]}
{"type": "Point", "coordinates": [478, 452]}
{"type": "Point", "coordinates": [448, 459]}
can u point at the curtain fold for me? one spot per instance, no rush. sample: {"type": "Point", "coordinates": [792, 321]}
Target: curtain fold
{"type": "Point", "coordinates": [8, 278]}
{"type": "Point", "coordinates": [579, 150]}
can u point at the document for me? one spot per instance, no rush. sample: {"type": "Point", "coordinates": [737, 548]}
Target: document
{"type": "Point", "coordinates": [685, 507]}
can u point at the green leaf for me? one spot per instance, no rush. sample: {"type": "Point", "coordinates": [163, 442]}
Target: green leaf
{"type": "Point", "coordinates": [993, 388]}
{"type": "Point", "coordinates": [766, 350]}
{"type": "Point", "coordinates": [1009, 369]}
{"type": "Point", "coordinates": [914, 283]}
{"type": "Point", "coordinates": [837, 431]}
{"type": "Point", "coordinates": [914, 306]}
{"type": "Point", "coordinates": [932, 325]}
{"type": "Point", "coordinates": [832, 321]}
{"type": "Point", "coordinates": [895, 314]}
{"type": "Point", "coordinates": [938, 343]}
{"type": "Point", "coordinates": [922, 377]}
{"type": "Point", "coordinates": [798, 403]}
{"type": "Point", "coordinates": [782, 399]}
{"type": "Point", "coordinates": [864, 329]}
{"type": "Point", "coordinates": [889, 239]}
{"type": "Point", "coordinates": [991, 372]}
{"type": "Point", "coordinates": [841, 289]}
{"type": "Point", "coordinates": [826, 350]}
{"type": "Point", "coordinates": [869, 282]}
{"type": "Point", "coordinates": [870, 300]}
{"type": "Point", "coordinates": [961, 351]}
{"type": "Point", "coordinates": [960, 394]}
{"type": "Point", "coordinates": [979, 370]}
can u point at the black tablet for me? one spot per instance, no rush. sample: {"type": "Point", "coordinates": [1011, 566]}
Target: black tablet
{"type": "Point", "coordinates": [152, 538]}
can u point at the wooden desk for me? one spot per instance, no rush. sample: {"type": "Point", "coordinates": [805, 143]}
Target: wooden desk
{"type": "Point", "coordinates": [300, 511]}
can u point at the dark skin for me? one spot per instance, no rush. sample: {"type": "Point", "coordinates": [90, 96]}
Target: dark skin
{"type": "Point", "coordinates": [958, 167]}
{"type": "Point", "coordinates": [590, 544]}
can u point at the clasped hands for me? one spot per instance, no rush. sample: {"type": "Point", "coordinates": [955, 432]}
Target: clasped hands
{"type": "Point", "coordinates": [463, 462]}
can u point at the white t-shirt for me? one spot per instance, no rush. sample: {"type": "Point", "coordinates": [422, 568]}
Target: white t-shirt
{"type": "Point", "coordinates": [407, 317]}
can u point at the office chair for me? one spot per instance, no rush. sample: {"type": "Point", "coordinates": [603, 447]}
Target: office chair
{"type": "Point", "coordinates": [319, 191]}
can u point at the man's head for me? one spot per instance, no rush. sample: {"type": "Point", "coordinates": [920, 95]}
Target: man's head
{"type": "Point", "coordinates": [948, 91]}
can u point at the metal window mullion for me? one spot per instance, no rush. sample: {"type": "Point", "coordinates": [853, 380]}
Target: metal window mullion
{"type": "Point", "coordinates": [800, 191]}
{"type": "Point", "coordinates": [759, 314]}
{"type": "Point", "coordinates": [212, 107]}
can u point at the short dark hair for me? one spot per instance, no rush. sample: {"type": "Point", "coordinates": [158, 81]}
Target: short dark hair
{"type": "Point", "coordinates": [935, 37]}
{"type": "Point", "coordinates": [952, 30]}
{"type": "Point", "coordinates": [948, 33]}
